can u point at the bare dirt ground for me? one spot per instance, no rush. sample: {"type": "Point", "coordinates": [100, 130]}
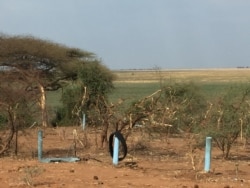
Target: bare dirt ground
{"type": "Point", "coordinates": [153, 160]}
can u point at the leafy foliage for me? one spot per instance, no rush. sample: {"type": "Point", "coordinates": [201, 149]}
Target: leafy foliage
{"type": "Point", "coordinates": [43, 61]}
{"type": "Point", "coordinates": [89, 94]}
{"type": "Point", "coordinates": [97, 78]}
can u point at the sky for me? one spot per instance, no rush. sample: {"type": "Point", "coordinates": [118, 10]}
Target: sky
{"type": "Point", "coordinates": [139, 34]}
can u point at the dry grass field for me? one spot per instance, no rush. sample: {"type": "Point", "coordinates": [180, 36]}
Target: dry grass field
{"type": "Point", "coordinates": [180, 75]}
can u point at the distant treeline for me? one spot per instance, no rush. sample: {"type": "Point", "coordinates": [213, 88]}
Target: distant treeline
{"type": "Point", "coordinates": [243, 67]}
{"type": "Point", "coordinates": [152, 69]}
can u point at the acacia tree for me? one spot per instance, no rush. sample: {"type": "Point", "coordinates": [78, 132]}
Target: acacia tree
{"type": "Point", "coordinates": [42, 64]}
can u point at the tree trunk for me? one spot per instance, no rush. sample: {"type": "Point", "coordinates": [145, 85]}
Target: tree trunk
{"type": "Point", "coordinates": [16, 144]}
{"type": "Point", "coordinates": [5, 146]}
{"type": "Point", "coordinates": [104, 135]}
{"type": "Point", "coordinates": [43, 106]}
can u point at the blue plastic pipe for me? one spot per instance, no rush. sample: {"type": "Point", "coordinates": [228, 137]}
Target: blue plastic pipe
{"type": "Point", "coordinates": [208, 154]}
{"type": "Point", "coordinates": [40, 145]}
{"type": "Point", "coordinates": [51, 159]}
{"type": "Point", "coordinates": [83, 121]}
{"type": "Point", "coordinates": [116, 151]}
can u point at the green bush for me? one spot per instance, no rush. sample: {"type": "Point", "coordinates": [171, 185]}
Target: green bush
{"type": "Point", "coordinates": [229, 117]}
{"type": "Point", "coordinates": [3, 121]}
{"type": "Point", "coordinates": [87, 95]}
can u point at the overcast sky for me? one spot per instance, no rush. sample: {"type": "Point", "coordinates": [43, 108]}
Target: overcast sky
{"type": "Point", "coordinates": [137, 34]}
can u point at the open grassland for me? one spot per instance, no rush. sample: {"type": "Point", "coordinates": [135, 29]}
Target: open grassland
{"type": "Point", "coordinates": [184, 75]}
{"type": "Point", "coordinates": [135, 84]}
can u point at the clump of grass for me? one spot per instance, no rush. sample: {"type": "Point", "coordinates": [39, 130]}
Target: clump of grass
{"type": "Point", "coordinates": [30, 172]}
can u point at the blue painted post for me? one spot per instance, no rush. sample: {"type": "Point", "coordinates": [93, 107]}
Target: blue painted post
{"type": "Point", "coordinates": [208, 154]}
{"type": "Point", "coordinates": [83, 121]}
{"type": "Point", "coordinates": [116, 151]}
{"type": "Point", "coordinates": [40, 145]}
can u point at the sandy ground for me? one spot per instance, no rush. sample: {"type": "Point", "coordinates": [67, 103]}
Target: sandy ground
{"type": "Point", "coordinates": [152, 161]}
